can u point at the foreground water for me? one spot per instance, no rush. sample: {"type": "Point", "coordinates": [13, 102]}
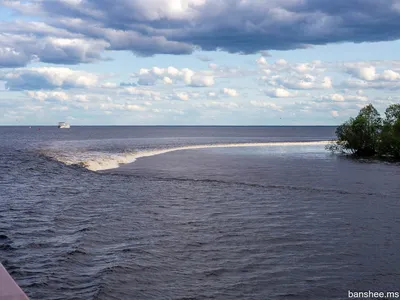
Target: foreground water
{"type": "Point", "coordinates": [230, 213]}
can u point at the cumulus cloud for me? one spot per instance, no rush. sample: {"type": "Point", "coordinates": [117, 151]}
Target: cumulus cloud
{"type": "Point", "coordinates": [143, 93]}
{"type": "Point", "coordinates": [262, 61]}
{"type": "Point", "coordinates": [182, 96]}
{"type": "Point", "coordinates": [296, 82]}
{"type": "Point", "coordinates": [370, 73]}
{"type": "Point", "coordinates": [314, 67]}
{"type": "Point", "coordinates": [264, 104]}
{"type": "Point", "coordinates": [364, 73]}
{"type": "Point", "coordinates": [126, 107]}
{"type": "Point", "coordinates": [167, 80]}
{"type": "Point", "coordinates": [336, 97]}
{"type": "Point", "coordinates": [308, 67]}
{"type": "Point", "coordinates": [42, 96]}
{"type": "Point", "coordinates": [69, 98]}
{"type": "Point", "coordinates": [295, 76]}
{"type": "Point", "coordinates": [127, 84]}
{"type": "Point", "coordinates": [48, 78]}
{"type": "Point", "coordinates": [109, 85]}
{"type": "Point", "coordinates": [390, 75]}
{"type": "Point", "coordinates": [221, 104]}
{"type": "Point", "coordinates": [334, 113]}
{"type": "Point", "coordinates": [279, 93]}
{"type": "Point", "coordinates": [198, 80]}
{"type": "Point", "coordinates": [60, 108]}
{"type": "Point", "coordinates": [388, 80]}
{"type": "Point", "coordinates": [281, 62]}
{"type": "Point", "coordinates": [230, 92]}
{"type": "Point", "coordinates": [168, 75]}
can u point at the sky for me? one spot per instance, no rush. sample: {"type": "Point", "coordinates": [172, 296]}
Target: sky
{"type": "Point", "coordinates": [196, 62]}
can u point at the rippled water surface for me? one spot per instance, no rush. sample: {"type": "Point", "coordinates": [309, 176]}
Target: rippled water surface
{"type": "Point", "coordinates": [194, 213]}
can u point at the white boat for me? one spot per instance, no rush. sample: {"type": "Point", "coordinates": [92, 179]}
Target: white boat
{"type": "Point", "coordinates": [63, 125]}
{"type": "Point", "coordinates": [9, 289]}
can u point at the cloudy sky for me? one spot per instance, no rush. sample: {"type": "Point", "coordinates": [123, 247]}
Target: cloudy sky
{"type": "Point", "coordinates": [176, 62]}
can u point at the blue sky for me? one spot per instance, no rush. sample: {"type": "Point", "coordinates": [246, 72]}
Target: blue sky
{"type": "Point", "coordinates": [196, 62]}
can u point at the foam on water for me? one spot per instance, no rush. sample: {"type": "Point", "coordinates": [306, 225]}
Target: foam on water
{"type": "Point", "coordinates": [98, 161]}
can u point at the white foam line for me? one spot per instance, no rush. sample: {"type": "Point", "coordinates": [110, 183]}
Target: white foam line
{"type": "Point", "coordinates": [106, 163]}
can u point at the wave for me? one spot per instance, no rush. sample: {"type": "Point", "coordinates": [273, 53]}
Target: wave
{"type": "Point", "coordinates": [99, 161]}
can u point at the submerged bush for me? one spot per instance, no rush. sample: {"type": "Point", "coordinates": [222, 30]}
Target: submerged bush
{"type": "Point", "coordinates": [368, 135]}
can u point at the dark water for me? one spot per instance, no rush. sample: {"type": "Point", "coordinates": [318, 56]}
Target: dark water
{"type": "Point", "coordinates": [282, 221]}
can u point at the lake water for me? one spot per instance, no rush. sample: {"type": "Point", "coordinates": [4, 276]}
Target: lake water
{"type": "Point", "coordinates": [194, 213]}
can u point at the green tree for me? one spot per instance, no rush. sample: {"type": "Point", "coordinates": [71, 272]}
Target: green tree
{"type": "Point", "coordinates": [360, 135]}
{"type": "Point", "coordinates": [390, 134]}
{"type": "Point", "coordinates": [392, 113]}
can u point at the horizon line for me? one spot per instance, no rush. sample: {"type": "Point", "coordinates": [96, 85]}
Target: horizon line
{"type": "Point", "coordinates": [161, 125]}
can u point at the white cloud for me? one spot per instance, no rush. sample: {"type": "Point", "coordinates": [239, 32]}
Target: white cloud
{"type": "Point", "coordinates": [334, 113]}
{"type": "Point", "coordinates": [336, 97]}
{"type": "Point", "coordinates": [124, 107]}
{"type": "Point", "coordinates": [186, 75]}
{"type": "Point", "coordinates": [48, 96]}
{"type": "Point", "coordinates": [33, 108]}
{"type": "Point", "coordinates": [281, 62]}
{"type": "Point", "coordinates": [168, 111]}
{"type": "Point", "coordinates": [304, 68]}
{"type": "Point", "coordinates": [173, 71]}
{"type": "Point", "coordinates": [182, 96]}
{"type": "Point", "coordinates": [60, 108]}
{"type": "Point", "coordinates": [326, 83]}
{"type": "Point", "coordinates": [339, 99]}
{"type": "Point", "coordinates": [369, 73]}
{"type": "Point", "coordinates": [389, 75]}
{"type": "Point", "coordinates": [201, 81]}
{"type": "Point", "coordinates": [354, 83]}
{"type": "Point", "coordinates": [134, 107]}
{"type": "Point", "coordinates": [299, 82]}
{"type": "Point", "coordinates": [262, 61]}
{"type": "Point", "coordinates": [143, 93]}
{"type": "Point", "coordinates": [264, 104]}
{"type": "Point", "coordinates": [230, 92]}
{"type": "Point", "coordinates": [364, 73]}
{"type": "Point", "coordinates": [278, 93]}
{"type": "Point", "coordinates": [167, 80]}
{"type": "Point", "coordinates": [221, 104]}
{"type": "Point", "coordinates": [48, 78]}
{"type": "Point", "coordinates": [109, 85]}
